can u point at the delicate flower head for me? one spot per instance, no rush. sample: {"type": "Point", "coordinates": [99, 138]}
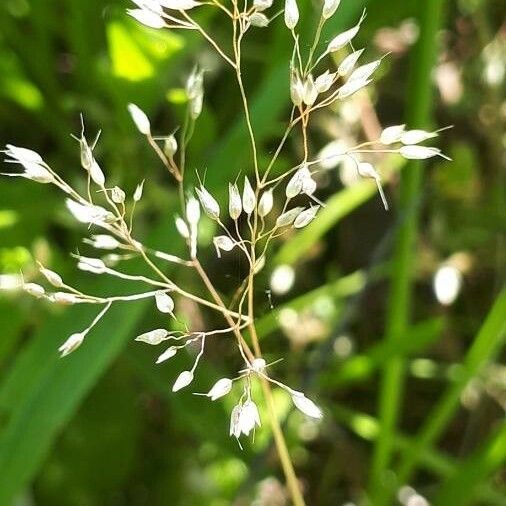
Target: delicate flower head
{"type": "Point", "coordinates": [349, 63]}
{"type": "Point", "coordinates": [147, 18]}
{"type": "Point", "coordinates": [266, 203]}
{"type": "Point", "coordinates": [288, 217]}
{"type": "Point", "coordinates": [392, 134]}
{"type": "Point", "coordinates": [88, 213]}
{"type": "Point", "coordinates": [34, 289]}
{"type": "Point", "coordinates": [167, 354]}
{"type": "Point", "coordinates": [53, 278]}
{"type": "Point", "coordinates": [344, 38]}
{"type": "Point", "coordinates": [32, 163]}
{"type": "Point", "coordinates": [306, 217]}
{"type": "Point", "coordinates": [223, 243]}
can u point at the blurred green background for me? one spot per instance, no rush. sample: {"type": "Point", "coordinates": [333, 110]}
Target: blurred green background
{"type": "Point", "coordinates": [414, 390]}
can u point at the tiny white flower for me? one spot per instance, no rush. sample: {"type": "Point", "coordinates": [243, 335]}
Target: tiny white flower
{"type": "Point", "coordinates": [416, 152]}
{"type": "Point", "coordinates": [182, 228]}
{"type": "Point", "coordinates": [139, 118]}
{"type": "Point", "coordinates": [234, 421]}
{"type": "Point", "coordinates": [34, 167]}
{"type": "Point", "coordinates": [310, 91]}
{"type": "Point", "coordinates": [261, 5]}
{"type": "Point", "coordinates": [170, 146]}
{"type": "Point", "coordinates": [344, 38]}
{"type": "Point", "coordinates": [308, 185]}
{"type": "Point", "coordinates": [147, 18]}
{"type": "Point", "coordinates": [164, 302]}
{"type": "Point", "coordinates": [221, 388]}
{"type": "Point", "coordinates": [329, 8]}
{"type": "Point", "coordinates": [258, 365]}
{"type": "Point", "coordinates": [324, 81]}
{"type": "Point", "coordinates": [366, 170]}
{"type": "Point", "coordinates": [266, 203]}
{"type": "Point", "coordinates": [71, 344]}
{"type": "Point", "coordinates": [88, 213]}
{"type": "Point", "coordinates": [223, 242]}
{"type": "Point", "coordinates": [118, 196]}
{"type": "Point", "coordinates": [234, 201]}
{"type": "Point", "coordinates": [392, 134]}
{"type": "Point", "coordinates": [447, 284]}
{"type": "Point", "coordinates": [351, 87]}
{"type": "Point", "coordinates": [416, 136]}
{"type": "Point", "coordinates": [65, 299]}
{"type": "Point", "coordinates": [306, 217]}
{"type": "Point", "coordinates": [248, 197]}
{"type": "Point", "coordinates": [349, 62]}
{"type": "Point", "coordinates": [294, 186]}
{"type": "Point", "coordinates": [192, 211]}
{"type": "Point", "coordinates": [288, 217]}
{"type": "Point", "coordinates": [209, 203]}
{"type": "Point", "coordinates": [296, 88]}
{"type": "Point", "coordinates": [93, 265]}
{"type": "Point", "coordinates": [183, 380]}
{"type": "Point", "coordinates": [180, 5]}
{"type": "Point", "coordinates": [364, 72]}
{"type": "Point", "coordinates": [153, 337]}
{"type": "Point", "coordinates": [167, 354]}
{"type": "Point", "coordinates": [195, 84]}
{"type": "Point", "coordinates": [138, 192]}
{"type": "Point", "coordinates": [307, 406]}
{"type": "Point", "coordinates": [104, 241]}
{"type": "Point", "coordinates": [34, 289]}
{"type": "Point", "coordinates": [259, 20]}
{"type": "Point", "coordinates": [21, 155]}
{"type": "Point", "coordinates": [196, 105]}
{"type": "Point", "coordinates": [152, 5]}
{"type": "Point", "coordinates": [248, 418]}
{"type": "Point", "coordinates": [291, 14]}
{"type": "Point", "coordinates": [96, 173]}
{"type": "Point", "coordinates": [53, 277]}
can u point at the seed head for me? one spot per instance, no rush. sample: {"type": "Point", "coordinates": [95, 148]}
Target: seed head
{"type": "Point", "coordinates": [344, 38]}
{"type": "Point", "coordinates": [392, 134]}
{"type": "Point", "coordinates": [71, 344]}
{"type": "Point", "coordinates": [167, 354]}
{"type": "Point", "coordinates": [147, 18]}
{"type": "Point", "coordinates": [349, 62]}
{"type": "Point", "coordinates": [221, 388]}
{"type": "Point", "coordinates": [164, 302]}
{"type": "Point", "coordinates": [288, 218]}
{"type": "Point", "coordinates": [306, 217]}
{"type": "Point", "coordinates": [223, 242]}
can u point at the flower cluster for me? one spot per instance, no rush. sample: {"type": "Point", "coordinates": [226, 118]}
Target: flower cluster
{"type": "Point", "coordinates": [260, 208]}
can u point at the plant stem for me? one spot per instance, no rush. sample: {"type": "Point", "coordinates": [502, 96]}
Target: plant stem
{"type": "Point", "coordinates": [400, 300]}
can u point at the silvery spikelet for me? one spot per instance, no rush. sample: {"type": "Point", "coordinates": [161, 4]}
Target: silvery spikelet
{"type": "Point", "coordinates": [248, 197]}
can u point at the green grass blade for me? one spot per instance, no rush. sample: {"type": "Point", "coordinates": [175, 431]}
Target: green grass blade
{"type": "Point", "coordinates": [399, 310]}
{"type": "Point", "coordinates": [488, 342]}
